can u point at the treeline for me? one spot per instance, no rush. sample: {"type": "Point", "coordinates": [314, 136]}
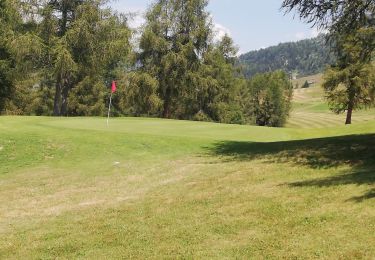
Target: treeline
{"type": "Point", "coordinates": [58, 57]}
{"type": "Point", "coordinates": [302, 58]}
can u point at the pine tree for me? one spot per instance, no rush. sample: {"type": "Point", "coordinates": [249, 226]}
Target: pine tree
{"type": "Point", "coordinates": [219, 90]}
{"type": "Point", "coordinates": [351, 26]}
{"type": "Point", "coordinates": [337, 16]}
{"type": "Point", "coordinates": [175, 38]}
{"type": "Point", "coordinates": [349, 84]}
{"type": "Point", "coordinates": [19, 51]}
{"type": "Point", "coordinates": [270, 98]}
{"type": "Point", "coordinates": [83, 44]}
{"type": "Point", "coordinates": [8, 23]}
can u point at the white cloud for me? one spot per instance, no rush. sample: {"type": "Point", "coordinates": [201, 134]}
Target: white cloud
{"type": "Point", "coordinates": [306, 35]}
{"type": "Point", "coordinates": [315, 32]}
{"type": "Point", "coordinates": [300, 36]}
{"type": "Point", "coordinates": [135, 13]}
{"type": "Point", "coordinates": [136, 20]}
{"type": "Point", "coordinates": [220, 31]}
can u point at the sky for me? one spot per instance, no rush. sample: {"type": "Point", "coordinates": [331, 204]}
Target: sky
{"type": "Point", "coordinates": [253, 24]}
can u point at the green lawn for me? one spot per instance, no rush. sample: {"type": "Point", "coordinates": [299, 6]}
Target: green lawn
{"type": "Point", "coordinates": [150, 188]}
{"type": "Point", "coordinates": [310, 109]}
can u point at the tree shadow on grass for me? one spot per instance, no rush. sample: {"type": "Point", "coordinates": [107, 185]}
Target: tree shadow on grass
{"type": "Point", "coordinates": [368, 195]}
{"type": "Point", "coordinates": [355, 151]}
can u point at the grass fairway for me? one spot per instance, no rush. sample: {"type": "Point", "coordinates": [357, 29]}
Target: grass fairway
{"type": "Point", "coordinates": [149, 188]}
{"type": "Point", "coordinates": [310, 109]}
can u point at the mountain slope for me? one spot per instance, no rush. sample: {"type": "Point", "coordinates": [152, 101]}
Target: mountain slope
{"type": "Point", "coordinates": [304, 57]}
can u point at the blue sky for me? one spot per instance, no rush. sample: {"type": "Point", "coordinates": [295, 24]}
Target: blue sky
{"type": "Point", "coordinates": [253, 24]}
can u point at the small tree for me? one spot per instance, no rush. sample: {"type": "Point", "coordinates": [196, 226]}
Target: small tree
{"type": "Point", "coordinates": [270, 98]}
{"type": "Point", "coordinates": [349, 84]}
{"type": "Point", "coordinates": [306, 84]}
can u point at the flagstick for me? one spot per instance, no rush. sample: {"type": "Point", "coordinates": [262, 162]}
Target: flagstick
{"type": "Point", "coordinates": [109, 108]}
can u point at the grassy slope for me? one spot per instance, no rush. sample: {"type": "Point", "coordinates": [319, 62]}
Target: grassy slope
{"type": "Point", "coordinates": [310, 110]}
{"type": "Point", "coordinates": [148, 188]}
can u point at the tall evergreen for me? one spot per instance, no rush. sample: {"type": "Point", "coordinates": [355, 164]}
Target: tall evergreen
{"type": "Point", "coordinates": [9, 20]}
{"type": "Point", "coordinates": [219, 91]}
{"type": "Point", "coordinates": [195, 78]}
{"type": "Point", "coordinates": [83, 43]}
{"type": "Point", "coordinates": [349, 83]}
{"type": "Point", "coordinates": [175, 38]}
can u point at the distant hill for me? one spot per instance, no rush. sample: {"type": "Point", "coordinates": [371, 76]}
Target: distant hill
{"type": "Point", "coordinates": [301, 58]}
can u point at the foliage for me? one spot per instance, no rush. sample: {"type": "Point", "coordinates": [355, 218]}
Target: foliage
{"type": "Point", "coordinates": [140, 94]}
{"type": "Point", "coordinates": [306, 84]}
{"type": "Point", "coordinates": [270, 98]}
{"type": "Point", "coordinates": [172, 44]}
{"type": "Point", "coordinates": [71, 44]}
{"type": "Point", "coordinates": [219, 91]}
{"type": "Point", "coordinates": [349, 85]}
{"type": "Point", "coordinates": [72, 49]}
{"type": "Point", "coordinates": [194, 77]}
{"type": "Point", "coordinates": [86, 98]}
{"type": "Point", "coordinates": [351, 25]}
{"type": "Point", "coordinates": [9, 21]}
{"type": "Point", "coordinates": [337, 16]}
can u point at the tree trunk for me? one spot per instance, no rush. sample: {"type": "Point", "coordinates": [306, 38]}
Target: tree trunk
{"type": "Point", "coordinates": [56, 104]}
{"type": "Point", "coordinates": [349, 115]}
{"type": "Point", "coordinates": [167, 104]}
{"type": "Point", "coordinates": [167, 110]}
{"type": "Point", "coordinates": [64, 101]}
{"type": "Point", "coordinates": [350, 109]}
{"type": "Point", "coordinates": [64, 19]}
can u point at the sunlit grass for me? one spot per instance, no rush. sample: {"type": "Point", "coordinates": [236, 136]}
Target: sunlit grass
{"type": "Point", "coordinates": [310, 109]}
{"type": "Point", "coordinates": [149, 188]}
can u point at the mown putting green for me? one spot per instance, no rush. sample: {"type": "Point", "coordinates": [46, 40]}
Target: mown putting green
{"type": "Point", "coordinates": [150, 188]}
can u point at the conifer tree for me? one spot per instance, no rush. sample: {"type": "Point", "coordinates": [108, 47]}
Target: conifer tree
{"type": "Point", "coordinates": [173, 43]}
{"type": "Point", "coordinates": [349, 84]}
{"type": "Point", "coordinates": [83, 43]}
{"type": "Point", "coordinates": [270, 96]}
{"type": "Point", "coordinates": [351, 26]}
{"type": "Point", "coordinates": [8, 23]}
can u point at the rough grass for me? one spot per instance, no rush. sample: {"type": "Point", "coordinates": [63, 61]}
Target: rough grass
{"type": "Point", "coordinates": [149, 188]}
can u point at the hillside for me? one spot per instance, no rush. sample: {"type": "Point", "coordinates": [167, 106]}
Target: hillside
{"type": "Point", "coordinates": [306, 57]}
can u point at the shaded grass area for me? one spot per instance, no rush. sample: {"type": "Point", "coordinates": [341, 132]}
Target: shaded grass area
{"type": "Point", "coordinates": [355, 151]}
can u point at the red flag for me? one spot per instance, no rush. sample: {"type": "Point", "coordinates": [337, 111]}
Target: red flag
{"type": "Point", "coordinates": [114, 86]}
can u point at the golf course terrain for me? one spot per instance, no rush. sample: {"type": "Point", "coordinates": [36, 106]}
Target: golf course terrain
{"type": "Point", "coordinates": [310, 110]}
{"type": "Point", "coordinates": [151, 188]}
